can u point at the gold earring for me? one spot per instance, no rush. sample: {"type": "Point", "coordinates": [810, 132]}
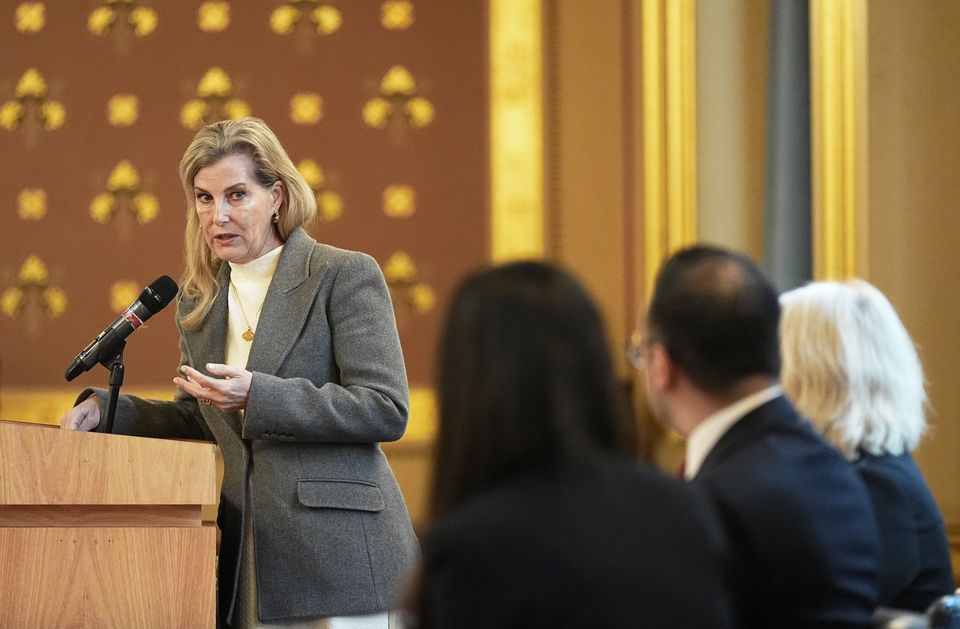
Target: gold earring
{"type": "Point", "coordinates": [276, 216]}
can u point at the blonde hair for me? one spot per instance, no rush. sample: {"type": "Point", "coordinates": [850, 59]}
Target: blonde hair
{"type": "Point", "coordinates": [850, 366]}
{"type": "Point", "coordinates": [253, 138]}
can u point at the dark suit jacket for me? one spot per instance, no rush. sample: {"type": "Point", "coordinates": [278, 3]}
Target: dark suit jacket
{"type": "Point", "coordinates": [915, 568]}
{"type": "Point", "coordinates": [799, 521]}
{"type": "Point", "coordinates": [613, 545]}
{"type": "Point", "coordinates": [332, 532]}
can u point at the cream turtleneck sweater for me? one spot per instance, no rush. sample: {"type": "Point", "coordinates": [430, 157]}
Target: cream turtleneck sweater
{"type": "Point", "coordinates": [250, 282]}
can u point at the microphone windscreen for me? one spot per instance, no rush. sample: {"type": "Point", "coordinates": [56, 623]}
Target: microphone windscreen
{"type": "Point", "coordinates": [156, 296]}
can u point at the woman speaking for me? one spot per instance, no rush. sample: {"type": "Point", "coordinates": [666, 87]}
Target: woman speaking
{"type": "Point", "coordinates": [291, 362]}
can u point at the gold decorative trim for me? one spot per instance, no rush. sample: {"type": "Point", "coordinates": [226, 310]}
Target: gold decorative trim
{"type": "Point", "coordinates": [838, 64]}
{"type": "Point", "coordinates": [668, 51]}
{"type": "Point", "coordinates": [516, 130]}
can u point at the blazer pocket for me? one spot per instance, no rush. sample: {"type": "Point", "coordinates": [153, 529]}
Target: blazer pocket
{"type": "Point", "coordinates": [339, 494]}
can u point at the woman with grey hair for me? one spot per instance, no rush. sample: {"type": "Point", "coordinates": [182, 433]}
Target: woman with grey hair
{"type": "Point", "coordinates": [291, 362]}
{"type": "Point", "coordinates": [850, 366]}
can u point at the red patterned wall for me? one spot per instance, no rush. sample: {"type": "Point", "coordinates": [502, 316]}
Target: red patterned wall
{"type": "Point", "coordinates": [60, 268]}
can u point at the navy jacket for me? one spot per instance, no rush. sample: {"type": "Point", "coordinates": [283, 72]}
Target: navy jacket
{"type": "Point", "coordinates": [799, 522]}
{"type": "Point", "coordinates": [915, 568]}
{"type": "Point", "coordinates": [614, 544]}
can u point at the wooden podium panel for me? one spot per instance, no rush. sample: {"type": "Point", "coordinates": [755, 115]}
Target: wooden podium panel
{"type": "Point", "coordinates": [108, 577]}
{"type": "Point", "coordinates": [42, 465]}
{"type": "Point", "coordinates": [105, 530]}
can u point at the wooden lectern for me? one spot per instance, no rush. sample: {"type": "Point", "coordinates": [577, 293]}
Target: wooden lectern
{"type": "Point", "coordinates": [105, 530]}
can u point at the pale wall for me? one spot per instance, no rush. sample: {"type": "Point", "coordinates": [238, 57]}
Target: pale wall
{"type": "Point", "coordinates": [914, 244]}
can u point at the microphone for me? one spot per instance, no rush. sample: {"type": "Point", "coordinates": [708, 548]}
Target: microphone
{"type": "Point", "coordinates": [151, 301]}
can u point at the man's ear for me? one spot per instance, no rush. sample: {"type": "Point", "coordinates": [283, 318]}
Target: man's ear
{"type": "Point", "coordinates": [661, 367]}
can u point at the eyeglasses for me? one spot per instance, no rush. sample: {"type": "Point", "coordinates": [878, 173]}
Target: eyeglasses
{"type": "Point", "coordinates": [637, 347]}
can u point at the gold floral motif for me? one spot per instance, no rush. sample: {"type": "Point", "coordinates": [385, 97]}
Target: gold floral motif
{"type": "Point", "coordinates": [122, 294]}
{"type": "Point", "coordinates": [124, 186]}
{"type": "Point", "coordinates": [398, 97]}
{"type": "Point", "coordinates": [329, 206]}
{"type": "Point", "coordinates": [100, 21]}
{"type": "Point", "coordinates": [33, 272]}
{"type": "Point", "coordinates": [327, 19]}
{"type": "Point", "coordinates": [31, 17]}
{"type": "Point", "coordinates": [55, 301]}
{"type": "Point", "coordinates": [124, 176]}
{"type": "Point", "coordinates": [144, 20]}
{"type": "Point", "coordinates": [193, 113]}
{"type": "Point", "coordinates": [11, 301]}
{"type": "Point", "coordinates": [123, 110]}
{"type": "Point", "coordinates": [236, 108]}
{"type": "Point", "coordinates": [398, 80]}
{"type": "Point", "coordinates": [215, 82]}
{"type": "Point", "coordinates": [102, 207]}
{"type": "Point", "coordinates": [32, 204]}
{"type": "Point", "coordinates": [376, 112]}
{"type": "Point", "coordinates": [213, 101]}
{"type": "Point", "coordinates": [400, 268]}
{"type": "Point", "coordinates": [284, 19]}
{"type": "Point", "coordinates": [33, 277]}
{"type": "Point", "coordinates": [329, 203]}
{"type": "Point", "coordinates": [31, 85]}
{"type": "Point", "coordinates": [396, 15]}
{"type": "Point", "coordinates": [54, 114]}
{"type": "Point", "coordinates": [404, 281]}
{"type": "Point", "coordinates": [312, 173]}
{"type": "Point", "coordinates": [306, 108]}
{"type": "Point", "coordinates": [420, 111]}
{"type": "Point", "coordinates": [10, 113]}
{"type": "Point", "coordinates": [31, 93]}
{"type": "Point", "coordinates": [146, 207]}
{"type": "Point", "coordinates": [422, 298]}
{"type": "Point", "coordinates": [399, 201]}
{"type": "Point", "coordinates": [213, 17]}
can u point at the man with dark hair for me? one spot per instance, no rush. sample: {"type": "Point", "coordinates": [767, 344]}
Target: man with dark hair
{"type": "Point", "coordinates": [799, 520]}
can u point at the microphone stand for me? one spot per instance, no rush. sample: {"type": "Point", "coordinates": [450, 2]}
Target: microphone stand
{"type": "Point", "coordinates": [113, 362]}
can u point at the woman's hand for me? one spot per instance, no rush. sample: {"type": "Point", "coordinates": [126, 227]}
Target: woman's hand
{"type": "Point", "coordinates": [229, 392]}
{"type": "Point", "coordinates": [85, 416]}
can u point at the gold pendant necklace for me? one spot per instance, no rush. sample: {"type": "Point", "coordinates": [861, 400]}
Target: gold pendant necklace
{"type": "Point", "coordinates": [248, 334]}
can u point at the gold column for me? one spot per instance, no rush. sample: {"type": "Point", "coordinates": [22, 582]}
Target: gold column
{"type": "Point", "coordinates": [669, 130]}
{"type": "Point", "coordinates": [838, 62]}
{"type": "Point", "coordinates": [516, 130]}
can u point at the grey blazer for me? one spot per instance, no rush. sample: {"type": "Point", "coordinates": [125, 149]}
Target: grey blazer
{"type": "Point", "coordinates": [332, 533]}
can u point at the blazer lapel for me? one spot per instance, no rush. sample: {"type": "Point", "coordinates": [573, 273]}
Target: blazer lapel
{"type": "Point", "coordinates": [746, 430]}
{"type": "Point", "coordinates": [207, 343]}
{"type": "Point", "coordinates": [287, 304]}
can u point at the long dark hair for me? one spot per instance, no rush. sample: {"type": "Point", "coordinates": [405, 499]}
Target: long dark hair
{"type": "Point", "coordinates": [525, 381]}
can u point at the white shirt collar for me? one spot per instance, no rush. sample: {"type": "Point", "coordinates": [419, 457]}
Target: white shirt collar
{"type": "Point", "coordinates": [708, 432]}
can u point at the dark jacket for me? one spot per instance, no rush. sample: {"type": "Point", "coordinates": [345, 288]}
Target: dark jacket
{"type": "Point", "coordinates": [799, 521]}
{"type": "Point", "coordinates": [611, 544]}
{"type": "Point", "coordinates": [915, 559]}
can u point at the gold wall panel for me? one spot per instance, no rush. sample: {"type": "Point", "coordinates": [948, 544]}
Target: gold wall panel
{"type": "Point", "coordinates": [668, 49]}
{"type": "Point", "coordinates": [516, 130]}
{"type": "Point", "coordinates": [838, 94]}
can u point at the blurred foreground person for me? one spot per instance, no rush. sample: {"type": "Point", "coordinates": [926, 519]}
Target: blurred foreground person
{"type": "Point", "coordinates": [798, 517]}
{"type": "Point", "coordinates": [850, 366]}
{"type": "Point", "coordinates": [541, 517]}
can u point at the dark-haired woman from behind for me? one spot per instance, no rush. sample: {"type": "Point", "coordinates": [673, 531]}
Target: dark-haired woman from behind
{"type": "Point", "coordinates": [541, 516]}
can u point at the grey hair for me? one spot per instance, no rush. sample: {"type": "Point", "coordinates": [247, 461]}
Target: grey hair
{"type": "Point", "coordinates": [850, 366]}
